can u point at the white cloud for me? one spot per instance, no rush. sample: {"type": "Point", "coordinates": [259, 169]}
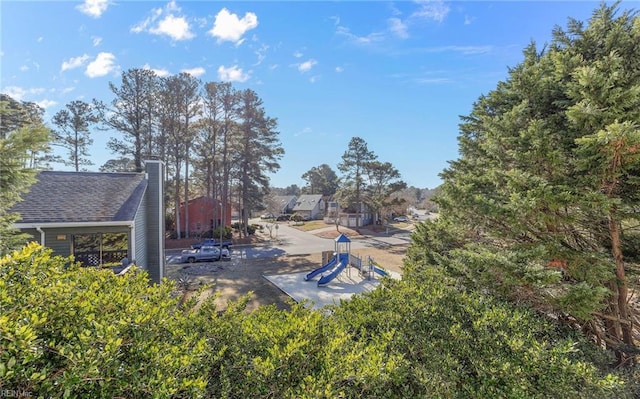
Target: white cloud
{"type": "Point", "coordinates": [46, 103]}
{"type": "Point", "coordinates": [40, 39]}
{"type": "Point", "coordinates": [313, 79]}
{"type": "Point", "coordinates": [195, 72]}
{"type": "Point", "coordinates": [15, 92]}
{"type": "Point", "coordinates": [19, 93]}
{"type": "Point", "coordinates": [465, 50]}
{"type": "Point", "coordinates": [74, 62]}
{"type": "Point", "coordinates": [172, 6]}
{"type": "Point", "coordinates": [261, 53]}
{"type": "Point", "coordinates": [175, 27]}
{"type": "Point", "coordinates": [307, 65]}
{"type": "Point", "coordinates": [298, 54]}
{"type": "Point", "coordinates": [232, 74]}
{"type": "Point", "coordinates": [339, 69]}
{"type": "Point", "coordinates": [398, 28]}
{"type": "Point", "coordinates": [96, 40]}
{"type": "Point", "coordinates": [67, 90]}
{"type": "Point", "coordinates": [431, 9]}
{"type": "Point", "coordinates": [373, 37]}
{"type": "Point", "coordinates": [228, 27]}
{"type": "Point", "coordinates": [142, 26]}
{"type": "Point", "coordinates": [93, 8]}
{"type": "Point", "coordinates": [159, 72]}
{"type": "Point", "coordinates": [24, 68]}
{"type": "Point", "coordinates": [468, 20]}
{"type": "Point", "coordinates": [101, 66]}
{"type": "Point", "coordinates": [430, 81]}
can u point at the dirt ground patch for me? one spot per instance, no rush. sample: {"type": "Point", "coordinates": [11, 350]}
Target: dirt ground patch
{"type": "Point", "coordinates": [233, 279]}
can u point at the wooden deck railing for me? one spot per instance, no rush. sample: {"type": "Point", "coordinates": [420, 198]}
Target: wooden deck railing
{"type": "Point", "coordinates": [92, 258]}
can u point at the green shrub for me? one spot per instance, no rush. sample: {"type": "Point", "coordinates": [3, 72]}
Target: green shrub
{"type": "Point", "coordinates": [467, 345]}
{"type": "Point", "coordinates": [67, 331]}
{"type": "Point", "coordinates": [226, 232]}
{"type": "Point", "coordinates": [251, 229]}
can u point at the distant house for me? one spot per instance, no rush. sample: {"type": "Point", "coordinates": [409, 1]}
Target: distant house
{"type": "Point", "coordinates": [312, 206]}
{"type": "Point", "coordinates": [205, 213]}
{"type": "Point", "coordinates": [349, 219]}
{"type": "Point", "coordinates": [99, 217]}
{"type": "Point", "coordinates": [283, 204]}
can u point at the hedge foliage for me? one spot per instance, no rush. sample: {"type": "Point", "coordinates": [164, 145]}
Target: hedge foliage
{"type": "Point", "coordinates": [67, 331]}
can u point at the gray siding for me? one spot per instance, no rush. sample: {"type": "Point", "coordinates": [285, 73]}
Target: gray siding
{"type": "Point", "coordinates": [155, 220]}
{"type": "Point", "coordinates": [35, 235]}
{"type": "Point", "coordinates": [140, 257]}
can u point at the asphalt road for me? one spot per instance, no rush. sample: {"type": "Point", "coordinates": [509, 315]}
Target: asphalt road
{"type": "Point", "coordinates": [290, 241]}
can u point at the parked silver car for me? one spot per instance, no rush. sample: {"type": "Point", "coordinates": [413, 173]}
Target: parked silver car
{"type": "Point", "coordinates": [201, 254]}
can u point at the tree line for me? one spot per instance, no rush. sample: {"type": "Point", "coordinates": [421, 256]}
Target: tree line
{"type": "Point", "coordinates": [213, 138]}
{"type": "Point", "coordinates": [365, 182]}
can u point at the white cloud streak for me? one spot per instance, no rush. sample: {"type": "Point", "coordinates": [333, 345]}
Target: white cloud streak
{"type": "Point", "coordinates": [195, 72]}
{"type": "Point", "coordinates": [74, 62]}
{"type": "Point", "coordinates": [159, 72]}
{"type": "Point", "coordinates": [435, 10]}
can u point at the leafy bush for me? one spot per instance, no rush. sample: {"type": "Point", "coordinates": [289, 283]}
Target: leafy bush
{"type": "Point", "coordinates": [251, 229]}
{"type": "Point", "coordinates": [467, 345]}
{"type": "Point", "coordinates": [226, 231]}
{"type": "Point", "coordinates": [67, 331]}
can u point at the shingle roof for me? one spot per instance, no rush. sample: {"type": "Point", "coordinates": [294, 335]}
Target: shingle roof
{"type": "Point", "coordinates": [71, 197]}
{"type": "Point", "coordinates": [307, 202]}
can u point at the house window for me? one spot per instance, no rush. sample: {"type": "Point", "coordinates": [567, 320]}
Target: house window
{"type": "Point", "coordinates": [94, 249]}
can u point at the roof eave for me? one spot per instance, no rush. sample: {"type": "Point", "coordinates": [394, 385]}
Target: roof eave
{"type": "Point", "coordinates": [52, 225]}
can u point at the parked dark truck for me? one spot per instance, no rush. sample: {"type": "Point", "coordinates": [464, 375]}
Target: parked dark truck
{"type": "Point", "coordinates": [212, 242]}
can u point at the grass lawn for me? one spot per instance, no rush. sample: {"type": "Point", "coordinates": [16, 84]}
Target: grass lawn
{"type": "Point", "coordinates": [310, 225]}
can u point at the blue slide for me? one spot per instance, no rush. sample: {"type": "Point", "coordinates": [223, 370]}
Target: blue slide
{"type": "Point", "coordinates": [380, 271]}
{"type": "Point", "coordinates": [326, 279]}
{"type": "Point", "coordinates": [322, 269]}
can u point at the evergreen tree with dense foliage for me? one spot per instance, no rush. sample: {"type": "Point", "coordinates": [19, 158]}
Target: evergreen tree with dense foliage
{"type": "Point", "coordinates": [543, 201]}
{"type": "Point", "coordinates": [258, 153]}
{"type": "Point", "coordinates": [321, 180]}
{"type": "Point", "coordinates": [22, 137]}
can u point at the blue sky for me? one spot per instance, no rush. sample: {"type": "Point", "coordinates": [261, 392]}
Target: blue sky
{"type": "Point", "coordinates": [398, 74]}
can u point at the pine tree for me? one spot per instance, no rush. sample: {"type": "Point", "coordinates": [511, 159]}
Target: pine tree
{"type": "Point", "coordinates": [547, 180]}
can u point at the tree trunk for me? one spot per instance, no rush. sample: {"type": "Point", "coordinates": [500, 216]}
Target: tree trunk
{"type": "Point", "coordinates": [186, 193]}
{"type": "Point", "coordinates": [176, 198]}
{"type": "Point", "coordinates": [621, 287]}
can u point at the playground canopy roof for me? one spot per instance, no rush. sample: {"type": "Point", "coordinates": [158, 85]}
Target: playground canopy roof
{"type": "Point", "coordinates": [342, 238]}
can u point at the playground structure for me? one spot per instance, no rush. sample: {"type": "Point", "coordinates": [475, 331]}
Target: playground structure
{"type": "Point", "coordinates": [343, 259]}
